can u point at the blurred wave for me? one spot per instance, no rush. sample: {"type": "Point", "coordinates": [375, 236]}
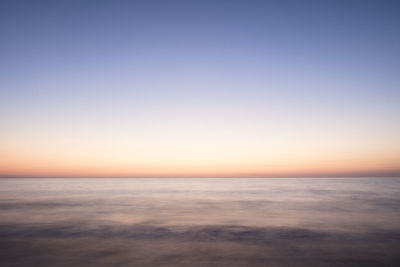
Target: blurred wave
{"type": "Point", "coordinates": [200, 222]}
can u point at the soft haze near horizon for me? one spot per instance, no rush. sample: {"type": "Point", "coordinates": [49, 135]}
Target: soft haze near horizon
{"type": "Point", "coordinates": [199, 88]}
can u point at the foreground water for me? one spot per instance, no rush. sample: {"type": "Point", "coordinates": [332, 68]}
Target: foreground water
{"type": "Point", "coordinates": [200, 222]}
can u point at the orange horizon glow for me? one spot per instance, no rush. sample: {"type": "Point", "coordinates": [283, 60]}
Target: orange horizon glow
{"type": "Point", "coordinates": [162, 150]}
{"type": "Point", "coordinates": [68, 166]}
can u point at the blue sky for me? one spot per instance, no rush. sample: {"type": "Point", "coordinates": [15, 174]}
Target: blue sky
{"type": "Point", "coordinates": [202, 81]}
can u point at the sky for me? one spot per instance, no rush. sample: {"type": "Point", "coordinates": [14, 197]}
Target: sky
{"type": "Point", "coordinates": [245, 88]}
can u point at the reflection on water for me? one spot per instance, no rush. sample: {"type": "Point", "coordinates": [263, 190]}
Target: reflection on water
{"type": "Point", "coordinates": [200, 222]}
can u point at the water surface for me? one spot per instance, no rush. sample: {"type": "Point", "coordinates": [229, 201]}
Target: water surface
{"type": "Point", "coordinates": [200, 222]}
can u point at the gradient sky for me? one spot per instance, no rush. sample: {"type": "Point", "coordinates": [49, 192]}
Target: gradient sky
{"type": "Point", "coordinates": [199, 88]}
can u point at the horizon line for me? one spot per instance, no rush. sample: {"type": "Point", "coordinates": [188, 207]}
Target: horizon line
{"type": "Point", "coordinates": [394, 175]}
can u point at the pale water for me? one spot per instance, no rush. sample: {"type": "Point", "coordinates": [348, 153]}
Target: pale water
{"type": "Point", "coordinates": [200, 222]}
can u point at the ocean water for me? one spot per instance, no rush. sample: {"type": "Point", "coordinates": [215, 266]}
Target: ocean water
{"type": "Point", "coordinates": [200, 222]}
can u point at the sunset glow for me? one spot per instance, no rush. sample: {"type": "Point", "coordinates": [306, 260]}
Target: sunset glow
{"type": "Point", "coordinates": [182, 90]}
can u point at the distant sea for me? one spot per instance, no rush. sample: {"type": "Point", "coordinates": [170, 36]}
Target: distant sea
{"type": "Point", "coordinates": [200, 222]}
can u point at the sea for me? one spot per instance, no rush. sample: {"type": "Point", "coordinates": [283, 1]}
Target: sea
{"type": "Point", "coordinates": [200, 222]}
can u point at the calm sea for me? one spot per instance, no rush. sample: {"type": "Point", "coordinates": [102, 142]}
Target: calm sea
{"type": "Point", "coordinates": [200, 222]}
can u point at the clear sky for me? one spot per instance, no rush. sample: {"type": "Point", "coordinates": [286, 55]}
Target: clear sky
{"type": "Point", "coordinates": [199, 88]}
